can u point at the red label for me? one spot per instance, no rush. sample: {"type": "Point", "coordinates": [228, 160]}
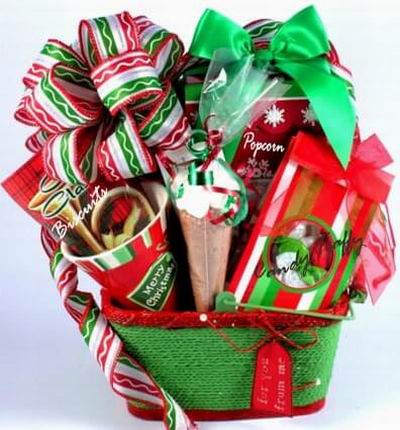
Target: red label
{"type": "Point", "coordinates": [266, 140]}
{"type": "Point", "coordinates": [260, 152]}
{"type": "Point", "coordinates": [272, 390]}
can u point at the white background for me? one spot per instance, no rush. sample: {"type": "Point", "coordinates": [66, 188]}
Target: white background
{"type": "Point", "coordinates": [48, 379]}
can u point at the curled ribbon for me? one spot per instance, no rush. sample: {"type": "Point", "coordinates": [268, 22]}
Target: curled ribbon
{"type": "Point", "coordinates": [200, 173]}
{"type": "Point", "coordinates": [299, 48]}
{"type": "Point", "coordinates": [107, 101]}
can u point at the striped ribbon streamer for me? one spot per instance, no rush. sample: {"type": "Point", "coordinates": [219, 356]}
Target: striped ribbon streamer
{"type": "Point", "coordinates": [126, 376]}
{"type": "Point", "coordinates": [106, 101]}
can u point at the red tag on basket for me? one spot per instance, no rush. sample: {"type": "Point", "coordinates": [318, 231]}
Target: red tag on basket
{"type": "Point", "coordinates": [272, 389]}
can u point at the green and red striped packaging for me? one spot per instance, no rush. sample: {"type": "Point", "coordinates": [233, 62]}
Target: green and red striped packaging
{"type": "Point", "coordinates": [310, 187]}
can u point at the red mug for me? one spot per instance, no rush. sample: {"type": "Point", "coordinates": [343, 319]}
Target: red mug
{"type": "Point", "coordinates": [140, 273]}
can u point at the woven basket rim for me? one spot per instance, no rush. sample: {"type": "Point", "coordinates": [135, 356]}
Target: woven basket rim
{"type": "Point", "coordinates": [191, 319]}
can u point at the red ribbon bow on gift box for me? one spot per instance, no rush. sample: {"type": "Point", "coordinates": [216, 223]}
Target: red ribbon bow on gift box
{"type": "Point", "coordinates": [363, 174]}
{"type": "Point", "coordinates": [105, 101]}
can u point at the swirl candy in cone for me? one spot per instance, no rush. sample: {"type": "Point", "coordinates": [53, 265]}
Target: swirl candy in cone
{"type": "Point", "coordinates": [139, 272]}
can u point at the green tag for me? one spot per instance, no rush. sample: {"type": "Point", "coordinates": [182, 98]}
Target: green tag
{"type": "Point", "coordinates": [156, 286]}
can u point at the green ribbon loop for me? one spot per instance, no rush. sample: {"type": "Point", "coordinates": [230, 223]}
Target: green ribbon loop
{"type": "Point", "coordinates": [236, 205]}
{"type": "Point", "coordinates": [198, 177]}
{"type": "Point", "coordinates": [299, 50]}
{"type": "Point", "coordinates": [198, 145]}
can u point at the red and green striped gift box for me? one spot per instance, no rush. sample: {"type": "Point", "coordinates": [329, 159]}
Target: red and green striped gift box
{"type": "Point", "coordinates": [310, 186]}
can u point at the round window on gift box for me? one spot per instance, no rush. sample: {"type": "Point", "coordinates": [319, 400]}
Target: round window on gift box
{"type": "Point", "coordinates": [301, 254]}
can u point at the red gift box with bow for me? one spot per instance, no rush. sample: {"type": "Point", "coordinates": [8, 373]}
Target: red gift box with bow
{"type": "Point", "coordinates": [313, 226]}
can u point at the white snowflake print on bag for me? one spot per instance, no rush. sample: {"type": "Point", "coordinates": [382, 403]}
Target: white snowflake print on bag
{"type": "Point", "coordinates": [309, 117]}
{"type": "Point", "coordinates": [257, 169]}
{"type": "Point", "coordinates": [274, 116]}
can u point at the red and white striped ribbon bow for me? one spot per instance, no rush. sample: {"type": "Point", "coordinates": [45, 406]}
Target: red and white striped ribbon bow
{"type": "Point", "coordinates": [107, 101]}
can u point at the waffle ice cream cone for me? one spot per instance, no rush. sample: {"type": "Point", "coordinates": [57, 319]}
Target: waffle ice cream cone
{"type": "Point", "coordinates": [208, 248]}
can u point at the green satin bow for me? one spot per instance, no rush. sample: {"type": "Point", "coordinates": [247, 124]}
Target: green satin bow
{"type": "Point", "coordinates": [298, 49]}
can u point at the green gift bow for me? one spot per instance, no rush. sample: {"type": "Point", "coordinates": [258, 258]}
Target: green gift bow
{"type": "Point", "coordinates": [299, 50]}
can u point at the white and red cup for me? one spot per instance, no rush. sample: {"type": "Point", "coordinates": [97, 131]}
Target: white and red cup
{"type": "Point", "coordinates": [140, 273]}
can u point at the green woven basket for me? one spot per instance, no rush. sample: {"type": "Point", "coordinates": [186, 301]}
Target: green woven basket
{"type": "Point", "coordinates": [207, 361]}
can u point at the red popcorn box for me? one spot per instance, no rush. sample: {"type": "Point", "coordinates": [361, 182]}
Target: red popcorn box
{"type": "Point", "coordinates": [141, 272]}
{"type": "Point", "coordinates": [260, 150]}
{"type": "Point", "coordinates": [263, 143]}
{"type": "Point", "coordinates": [303, 250]}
